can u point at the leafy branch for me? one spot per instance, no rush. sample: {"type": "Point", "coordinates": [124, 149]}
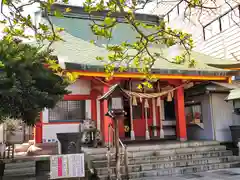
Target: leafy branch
{"type": "Point", "coordinates": [138, 54]}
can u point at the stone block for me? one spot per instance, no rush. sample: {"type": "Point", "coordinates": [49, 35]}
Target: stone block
{"type": "Point", "coordinates": [147, 167]}
{"type": "Point", "coordinates": [166, 152]}
{"type": "Point", "coordinates": [142, 154]}
{"type": "Point", "coordinates": [184, 144]}
{"type": "Point", "coordinates": [172, 146]}
{"type": "Point", "coordinates": [185, 150]}
{"type": "Point", "coordinates": [195, 143]}
{"type": "Point", "coordinates": [207, 143]}
{"type": "Point", "coordinates": [219, 148]}
{"type": "Point", "coordinates": [149, 173]}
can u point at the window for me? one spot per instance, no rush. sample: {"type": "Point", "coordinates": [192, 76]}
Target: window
{"type": "Point", "coordinates": [193, 113]}
{"type": "Point", "coordinates": [182, 7]}
{"type": "Point", "coordinates": [234, 16]}
{"type": "Point", "coordinates": [173, 14]}
{"type": "Point", "coordinates": [215, 26]}
{"type": "Point", "coordinates": [230, 19]}
{"type": "Point", "coordinates": [137, 111]}
{"type": "Point", "coordinates": [68, 111]}
{"type": "Point", "coordinates": [227, 20]}
{"type": "Point", "coordinates": [212, 29]}
{"type": "Point", "coordinates": [207, 32]}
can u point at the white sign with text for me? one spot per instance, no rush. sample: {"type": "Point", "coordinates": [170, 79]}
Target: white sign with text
{"type": "Point", "coordinates": [67, 166]}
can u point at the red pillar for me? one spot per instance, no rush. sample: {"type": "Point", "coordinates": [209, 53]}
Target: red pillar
{"type": "Point", "coordinates": [38, 130]}
{"type": "Point", "coordinates": [180, 115]}
{"type": "Point", "coordinates": [105, 119]}
{"type": "Point", "coordinates": [94, 105]}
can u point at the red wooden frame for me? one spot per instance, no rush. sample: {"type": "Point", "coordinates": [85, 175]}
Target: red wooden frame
{"type": "Point", "coordinates": [38, 130]}
{"type": "Point", "coordinates": [69, 97]}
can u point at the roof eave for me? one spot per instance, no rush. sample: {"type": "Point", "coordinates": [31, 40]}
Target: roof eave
{"type": "Point", "coordinates": [80, 11]}
{"type": "Point", "coordinates": [100, 68]}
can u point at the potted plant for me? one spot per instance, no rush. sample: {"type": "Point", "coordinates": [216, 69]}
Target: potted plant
{"type": "Point", "coordinates": [14, 131]}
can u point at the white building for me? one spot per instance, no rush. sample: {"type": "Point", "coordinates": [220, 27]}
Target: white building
{"type": "Point", "coordinates": [215, 32]}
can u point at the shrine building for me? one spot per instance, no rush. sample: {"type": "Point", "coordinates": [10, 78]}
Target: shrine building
{"type": "Point", "coordinates": [152, 113]}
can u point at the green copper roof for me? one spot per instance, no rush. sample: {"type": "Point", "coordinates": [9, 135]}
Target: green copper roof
{"type": "Point", "coordinates": [78, 53]}
{"type": "Point", "coordinates": [81, 55]}
{"type": "Point", "coordinates": [81, 28]}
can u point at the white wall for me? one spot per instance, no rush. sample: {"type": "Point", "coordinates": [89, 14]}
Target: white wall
{"type": "Point", "coordinates": [221, 45]}
{"type": "Point", "coordinates": [50, 131]}
{"type": "Point", "coordinates": [195, 132]}
{"type": "Point", "coordinates": [80, 87]}
{"type": "Point", "coordinates": [222, 117]}
{"type": "Point", "coordinates": [236, 119]}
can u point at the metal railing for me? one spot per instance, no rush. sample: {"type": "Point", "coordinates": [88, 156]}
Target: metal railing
{"type": "Point", "coordinates": [123, 152]}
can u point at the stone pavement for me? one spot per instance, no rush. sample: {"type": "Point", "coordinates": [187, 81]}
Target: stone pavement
{"type": "Point", "coordinates": [223, 174]}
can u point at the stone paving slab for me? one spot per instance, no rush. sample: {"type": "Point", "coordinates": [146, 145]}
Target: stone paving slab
{"type": "Point", "coordinates": [225, 174]}
{"type": "Point", "coordinates": [222, 174]}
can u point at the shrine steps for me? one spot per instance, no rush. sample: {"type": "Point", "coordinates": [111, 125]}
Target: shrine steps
{"type": "Point", "coordinates": [19, 169]}
{"type": "Point", "coordinates": [167, 159]}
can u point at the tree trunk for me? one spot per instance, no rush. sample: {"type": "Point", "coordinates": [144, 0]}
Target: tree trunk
{"type": "Point", "coordinates": [118, 175]}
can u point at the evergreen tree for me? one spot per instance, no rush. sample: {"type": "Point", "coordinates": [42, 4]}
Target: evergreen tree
{"type": "Point", "coordinates": [27, 86]}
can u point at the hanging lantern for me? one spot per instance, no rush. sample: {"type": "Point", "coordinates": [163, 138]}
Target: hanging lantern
{"type": "Point", "coordinates": [134, 101]}
{"type": "Point", "coordinates": [169, 97]}
{"type": "Point", "coordinates": [146, 105]}
{"type": "Point", "coordinates": [159, 101]}
{"type": "Point", "coordinates": [161, 133]}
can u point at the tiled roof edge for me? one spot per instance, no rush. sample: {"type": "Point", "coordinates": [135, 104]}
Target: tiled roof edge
{"type": "Point", "coordinates": [99, 68]}
{"type": "Point", "coordinates": [101, 14]}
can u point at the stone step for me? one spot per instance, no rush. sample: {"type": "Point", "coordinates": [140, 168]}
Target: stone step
{"type": "Point", "coordinates": [154, 159]}
{"type": "Point", "coordinates": [20, 169]}
{"type": "Point", "coordinates": [170, 164]}
{"type": "Point", "coordinates": [147, 175]}
{"type": "Point", "coordinates": [164, 152]}
{"type": "Point", "coordinates": [162, 146]}
{"type": "Point", "coordinates": [18, 165]}
{"type": "Point", "coordinates": [20, 172]}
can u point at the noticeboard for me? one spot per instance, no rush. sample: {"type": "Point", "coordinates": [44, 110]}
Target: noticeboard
{"type": "Point", "coordinates": [67, 166]}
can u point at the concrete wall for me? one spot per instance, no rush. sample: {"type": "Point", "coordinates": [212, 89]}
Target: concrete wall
{"type": "Point", "coordinates": [1, 133]}
{"type": "Point", "coordinates": [236, 119]}
{"type": "Point", "coordinates": [80, 87]}
{"type": "Point", "coordinates": [195, 132]}
{"type": "Point", "coordinates": [50, 130]}
{"type": "Point", "coordinates": [222, 117]}
{"type": "Point", "coordinates": [217, 117]}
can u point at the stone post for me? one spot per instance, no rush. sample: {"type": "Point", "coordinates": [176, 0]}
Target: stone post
{"type": "Point", "coordinates": [238, 146]}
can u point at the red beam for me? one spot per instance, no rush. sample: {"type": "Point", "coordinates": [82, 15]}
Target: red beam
{"type": "Point", "coordinates": [74, 97]}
